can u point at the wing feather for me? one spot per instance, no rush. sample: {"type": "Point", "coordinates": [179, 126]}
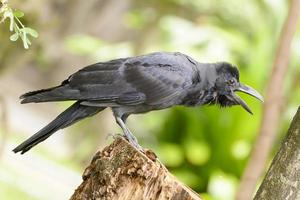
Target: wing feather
{"type": "Point", "coordinates": [152, 79]}
{"type": "Point", "coordinates": [160, 80]}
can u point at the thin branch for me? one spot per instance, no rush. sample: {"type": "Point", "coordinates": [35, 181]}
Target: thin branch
{"type": "Point", "coordinates": [272, 107]}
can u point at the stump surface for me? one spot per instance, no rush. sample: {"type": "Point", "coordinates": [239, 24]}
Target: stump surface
{"type": "Point", "coordinates": [120, 172]}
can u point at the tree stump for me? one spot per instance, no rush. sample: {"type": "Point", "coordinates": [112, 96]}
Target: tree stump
{"type": "Point", "coordinates": [121, 172]}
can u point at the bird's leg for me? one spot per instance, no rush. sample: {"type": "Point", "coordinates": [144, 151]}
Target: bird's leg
{"type": "Point", "coordinates": [128, 135]}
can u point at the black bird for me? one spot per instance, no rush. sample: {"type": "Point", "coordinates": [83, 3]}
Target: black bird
{"type": "Point", "coordinates": [138, 85]}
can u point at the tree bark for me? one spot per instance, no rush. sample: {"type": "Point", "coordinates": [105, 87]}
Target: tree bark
{"type": "Point", "coordinates": [119, 171]}
{"type": "Point", "coordinates": [282, 181]}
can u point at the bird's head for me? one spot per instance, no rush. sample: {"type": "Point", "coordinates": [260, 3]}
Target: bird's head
{"type": "Point", "coordinates": [227, 83]}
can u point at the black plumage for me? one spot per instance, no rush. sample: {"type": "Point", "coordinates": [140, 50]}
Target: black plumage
{"type": "Point", "coordinates": [137, 85]}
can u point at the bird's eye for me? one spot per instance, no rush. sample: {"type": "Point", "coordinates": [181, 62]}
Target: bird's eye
{"type": "Point", "coordinates": [231, 81]}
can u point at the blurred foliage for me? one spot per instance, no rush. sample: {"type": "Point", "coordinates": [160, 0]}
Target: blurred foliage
{"type": "Point", "coordinates": [206, 147]}
{"type": "Point", "coordinates": [15, 24]}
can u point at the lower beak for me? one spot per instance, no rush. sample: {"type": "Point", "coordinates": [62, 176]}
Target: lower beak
{"type": "Point", "coordinates": [247, 90]}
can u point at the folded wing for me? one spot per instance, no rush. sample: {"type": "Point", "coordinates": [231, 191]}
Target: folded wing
{"type": "Point", "coordinates": [152, 79]}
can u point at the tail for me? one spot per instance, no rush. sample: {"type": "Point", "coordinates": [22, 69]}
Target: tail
{"type": "Point", "coordinates": [73, 114]}
{"type": "Point", "coordinates": [59, 93]}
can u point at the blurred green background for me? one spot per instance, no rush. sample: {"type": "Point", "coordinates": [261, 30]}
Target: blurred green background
{"type": "Point", "coordinates": [207, 147]}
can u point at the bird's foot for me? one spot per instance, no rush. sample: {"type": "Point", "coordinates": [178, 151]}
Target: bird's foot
{"type": "Point", "coordinates": [133, 141]}
{"type": "Point", "coordinates": [135, 144]}
{"type": "Point", "coordinates": [128, 135]}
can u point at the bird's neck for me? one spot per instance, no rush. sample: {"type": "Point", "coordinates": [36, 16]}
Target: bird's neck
{"type": "Point", "coordinates": [208, 74]}
{"type": "Point", "coordinates": [203, 91]}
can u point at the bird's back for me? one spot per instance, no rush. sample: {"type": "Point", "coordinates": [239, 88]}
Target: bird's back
{"type": "Point", "coordinates": [148, 79]}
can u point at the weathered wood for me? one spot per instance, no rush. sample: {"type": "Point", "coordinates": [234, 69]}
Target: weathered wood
{"type": "Point", "coordinates": [282, 180]}
{"type": "Point", "coordinates": [121, 172]}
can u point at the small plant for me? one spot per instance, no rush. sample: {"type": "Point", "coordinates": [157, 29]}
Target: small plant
{"type": "Point", "coordinates": [16, 26]}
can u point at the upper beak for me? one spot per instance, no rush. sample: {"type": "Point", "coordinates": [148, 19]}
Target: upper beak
{"type": "Point", "coordinates": [247, 90]}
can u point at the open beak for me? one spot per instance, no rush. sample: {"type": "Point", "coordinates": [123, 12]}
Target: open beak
{"type": "Point", "coordinates": [247, 90]}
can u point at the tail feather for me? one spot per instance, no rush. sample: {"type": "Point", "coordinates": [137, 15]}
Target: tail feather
{"type": "Point", "coordinates": [71, 115]}
{"type": "Point", "coordinates": [28, 94]}
{"type": "Point", "coordinates": [58, 93]}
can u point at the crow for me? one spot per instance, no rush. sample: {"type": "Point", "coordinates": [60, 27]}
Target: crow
{"type": "Point", "coordinates": [138, 85]}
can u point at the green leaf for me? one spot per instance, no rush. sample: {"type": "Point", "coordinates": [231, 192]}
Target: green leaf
{"type": "Point", "coordinates": [24, 39]}
{"type": "Point", "coordinates": [8, 14]}
{"type": "Point", "coordinates": [18, 13]}
{"type": "Point", "coordinates": [30, 31]}
{"type": "Point", "coordinates": [28, 41]}
{"type": "Point", "coordinates": [11, 25]}
{"type": "Point", "coordinates": [14, 37]}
